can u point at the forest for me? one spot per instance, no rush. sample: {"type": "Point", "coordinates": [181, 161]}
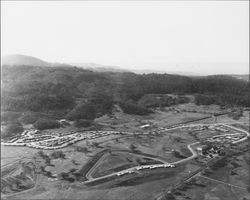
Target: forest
{"type": "Point", "coordinates": [75, 93]}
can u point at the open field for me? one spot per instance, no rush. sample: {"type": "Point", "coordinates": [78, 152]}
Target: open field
{"type": "Point", "coordinates": [18, 177]}
{"type": "Point", "coordinates": [116, 161]}
{"type": "Point", "coordinates": [105, 155]}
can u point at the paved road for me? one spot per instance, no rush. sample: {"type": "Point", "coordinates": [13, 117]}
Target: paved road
{"type": "Point", "coordinates": [88, 175]}
{"type": "Point", "coordinates": [194, 154]}
{"type": "Point", "coordinates": [241, 130]}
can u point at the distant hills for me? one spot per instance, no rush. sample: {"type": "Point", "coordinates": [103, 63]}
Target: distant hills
{"type": "Point", "coordinates": [18, 59]}
{"type": "Point", "coordinates": [244, 77]}
{"type": "Point", "coordinates": [99, 68]}
{"type": "Point", "coordinates": [29, 84]}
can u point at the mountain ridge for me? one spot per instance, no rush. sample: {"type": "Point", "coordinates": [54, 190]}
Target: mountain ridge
{"type": "Point", "coordinates": [20, 59]}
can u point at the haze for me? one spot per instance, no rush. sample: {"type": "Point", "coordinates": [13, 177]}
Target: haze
{"type": "Point", "coordinates": [202, 37]}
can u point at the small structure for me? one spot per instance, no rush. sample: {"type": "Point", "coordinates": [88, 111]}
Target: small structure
{"type": "Point", "coordinates": [199, 150]}
{"type": "Point", "coordinates": [146, 126]}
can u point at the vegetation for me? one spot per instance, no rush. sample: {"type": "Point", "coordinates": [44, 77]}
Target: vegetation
{"type": "Point", "coordinates": [82, 111]}
{"type": "Point", "coordinates": [161, 100]}
{"type": "Point", "coordinates": [236, 114]}
{"type": "Point", "coordinates": [133, 147]}
{"type": "Point", "coordinates": [83, 123]}
{"type": "Point", "coordinates": [43, 124]}
{"type": "Point", "coordinates": [32, 117]}
{"type": "Point", "coordinates": [177, 154]}
{"type": "Point", "coordinates": [10, 116]}
{"type": "Point", "coordinates": [45, 157]}
{"type": "Point", "coordinates": [12, 129]}
{"type": "Point", "coordinates": [57, 154]}
{"type": "Point", "coordinates": [83, 94]}
{"type": "Point", "coordinates": [81, 149]}
{"type": "Point", "coordinates": [131, 108]}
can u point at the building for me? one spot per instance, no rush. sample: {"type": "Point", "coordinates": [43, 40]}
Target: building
{"type": "Point", "coordinates": [146, 126]}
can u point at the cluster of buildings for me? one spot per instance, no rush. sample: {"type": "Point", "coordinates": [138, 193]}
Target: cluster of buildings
{"type": "Point", "coordinates": [134, 169]}
{"type": "Point", "coordinates": [227, 138]}
{"type": "Point", "coordinates": [201, 127]}
{"type": "Point", "coordinates": [219, 128]}
{"type": "Point", "coordinates": [55, 142]}
{"type": "Point", "coordinates": [196, 127]}
{"type": "Point", "coordinates": [214, 146]}
{"type": "Point", "coordinates": [33, 138]}
{"type": "Point", "coordinates": [208, 152]}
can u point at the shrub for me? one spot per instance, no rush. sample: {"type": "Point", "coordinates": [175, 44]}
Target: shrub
{"type": "Point", "coordinates": [159, 100]}
{"type": "Point", "coordinates": [57, 154]}
{"type": "Point", "coordinates": [12, 129]}
{"type": "Point", "coordinates": [81, 149]}
{"type": "Point", "coordinates": [42, 124]}
{"type": "Point", "coordinates": [83, 123]}
{"type": "Point", "coordinates": [201, 99]}
{"type": "Point", "coordinates": [177, 154]}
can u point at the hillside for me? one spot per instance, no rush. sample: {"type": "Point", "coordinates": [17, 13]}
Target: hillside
{"type": "Point", "coordinates": [39, 88]}
{"type": "Point", "coordinates": [33, 94]}
{"type": "Point", "coordinates": [244, 77]}
{"type": "Point", "coordinates": [23, 60]}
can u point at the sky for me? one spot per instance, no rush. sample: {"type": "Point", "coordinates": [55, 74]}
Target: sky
{"type": "Point", "coordinates": [194, 36]}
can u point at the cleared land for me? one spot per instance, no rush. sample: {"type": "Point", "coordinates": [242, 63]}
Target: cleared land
{"type": "Point", "coordinates": [122, 151]}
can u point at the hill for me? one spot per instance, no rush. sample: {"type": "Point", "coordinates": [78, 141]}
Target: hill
{"type": "Point", "coordinates": [99, 68]}
{"type": "Point", "coordinates": [244, 77]}
{"type": "Point", "coordinates": [32, 92]}
{"type": "Point", "coordinates": [23, 60]}
{"type": "Point", "coordinates": [70, 91]}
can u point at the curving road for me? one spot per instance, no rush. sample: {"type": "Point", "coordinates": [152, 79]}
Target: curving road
{"type": "Point", "coordinates": [194, 155]}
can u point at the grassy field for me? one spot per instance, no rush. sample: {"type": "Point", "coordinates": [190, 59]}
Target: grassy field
{"type": "Point", "coordinates": [228, 182]}
{"type": "Point", "coordinates": [117, 161]}
{"type": "Point", "coordinates": [143, 185]}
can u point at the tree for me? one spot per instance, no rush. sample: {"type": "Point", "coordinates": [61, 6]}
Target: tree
{"type": "Point", "coordinates": [96, 144]}
{"type": "Point", "coordinates": [81, 149]}
{"type": "Point", "coordinates": [132, 147]}
{"type": "Point", "coordinates": [57, 154]}
{"type": "Point", "coordinates": [130, 107]}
